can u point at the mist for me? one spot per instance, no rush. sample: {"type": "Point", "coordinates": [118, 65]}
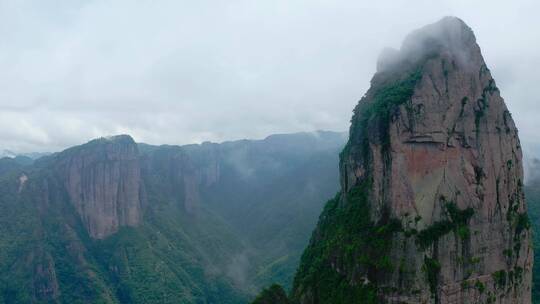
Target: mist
{"type": "Point", "coordinates": [183, 72]}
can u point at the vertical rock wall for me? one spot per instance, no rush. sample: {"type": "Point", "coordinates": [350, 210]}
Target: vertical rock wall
{"type": "Point", "coordinates": [103, 181]}
{"type": "Point", "coordinates": [435, 156]}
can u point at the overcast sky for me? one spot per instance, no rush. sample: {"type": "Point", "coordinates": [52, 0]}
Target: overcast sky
{"type": "Point", "coordinates": [181, 72]}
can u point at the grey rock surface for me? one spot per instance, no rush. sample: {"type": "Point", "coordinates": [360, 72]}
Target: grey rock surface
{"type": "Point", "coordinates": [103, 181]}
{"type": "Point", "coordinates": [453, 141]}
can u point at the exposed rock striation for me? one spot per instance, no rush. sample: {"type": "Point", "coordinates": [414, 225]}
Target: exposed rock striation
{"type": "Point", "coordinates": [103, 181]}
{"type": "Point", "coordinates": [432, 208]}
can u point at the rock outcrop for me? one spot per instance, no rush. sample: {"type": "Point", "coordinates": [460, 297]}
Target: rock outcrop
{"type": "Point", "coordinates": [45, 284]}
{"type": "Point", "coordinates": [432, 208]}
{"type": "Point", "coordinates": [103, 181]}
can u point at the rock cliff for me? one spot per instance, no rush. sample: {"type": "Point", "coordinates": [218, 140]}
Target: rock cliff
{"type": "Point", "coordinates": [103, 181]}
{"type": "Point", "coordinates": [432, 208]}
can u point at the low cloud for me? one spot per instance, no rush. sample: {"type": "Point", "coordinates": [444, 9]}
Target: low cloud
{"type": "Point", "coordinates": [183, 72]}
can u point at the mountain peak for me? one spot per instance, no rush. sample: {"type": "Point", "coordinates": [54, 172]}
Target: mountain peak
{"type": "Point", "coordinates": [431, 206]}
{"type": "Point", "coordinates": [448, 32]}
{"type": "Point", "coordinates": [450, 37]}
{"type": "Point", "coordinates": [120, 138]}
{"type": "Point", "coordinates": [114, 139]}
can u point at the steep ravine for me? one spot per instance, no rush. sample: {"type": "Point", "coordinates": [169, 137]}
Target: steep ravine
{"type": "Point", "coordinates": [431, 208]}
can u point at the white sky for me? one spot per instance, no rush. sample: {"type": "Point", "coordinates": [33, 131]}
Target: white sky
{"type": "Point", "coordinates": [180, 72]}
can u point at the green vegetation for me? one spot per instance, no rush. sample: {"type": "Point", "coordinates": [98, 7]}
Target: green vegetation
{"type": "Point", "coordinates": [435, 231]}
{"type": "Point", "coordinates": [246, 232]}
{"type": "Point", "coordinates": [507, 116]}
{"type": "Point", "coordinates": [522, 223]}
{"type": "Point", "coordinates": [481, 287]}
{"type": "Point", "coordinates": [347, 237]}
{"type": "Point", "coordinates": [483, 103]}
{"type": "Point", "coordinates": [532, 194]}
{"type": "Point", "coordinates": [378, 111]}
{"type": "Point", "coordinates": [388, 97]}
{"type": "Point", "coordinates": [272, 295]}
{"type": "Point", "coordinates": [34, 243]}
{"type": "Point", "coordinates": [500, 278]}
{"type": "Point", "coordinates": [519, 220]}
{"type": "Point", "coordinates": [515, 276]}
{"type": "Point", "coordinates": [163, 261]}
{"type": "Point", "coordinates": [457, 222]}
{"type": "Point", "coordinates": [432, 268]}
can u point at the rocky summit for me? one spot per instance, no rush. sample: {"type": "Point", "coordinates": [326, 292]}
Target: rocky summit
{"type": "Point", "coordinates": [431, 208]}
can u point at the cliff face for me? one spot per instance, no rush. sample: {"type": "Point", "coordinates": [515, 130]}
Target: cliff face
{"type": "Point", "coordinates": [432, 208]}
{"type": "Point", "coordinates": [182, 173]}
{"type": "Point", "coordinates": [103, 181]}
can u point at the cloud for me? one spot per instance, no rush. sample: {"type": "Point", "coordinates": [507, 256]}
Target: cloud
{"type": "Point", "coordinates": [180, 72]}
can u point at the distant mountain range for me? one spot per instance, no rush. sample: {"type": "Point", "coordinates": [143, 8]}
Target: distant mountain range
{"type": "Point", "coordinates": [113, 221]}
{"type": "Point", "coordinates": [31, 155]}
